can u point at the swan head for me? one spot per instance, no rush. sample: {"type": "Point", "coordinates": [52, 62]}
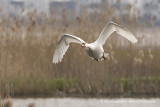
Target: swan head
{"type": "Point", "coordinates": [83, 45]}
{"type": "Point", "coordinates": [86, 46]}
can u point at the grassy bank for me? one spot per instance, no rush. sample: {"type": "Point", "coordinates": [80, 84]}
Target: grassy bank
{"type": "Point", "coordinates": [115, 87]}
{"type": "Point", "coordinates": [26, 50]}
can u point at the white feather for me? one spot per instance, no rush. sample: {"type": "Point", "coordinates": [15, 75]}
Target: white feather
{"type": "Point", "coordinates": [63, 45]}
{"type": "Point", "coordinates": [113, 27]}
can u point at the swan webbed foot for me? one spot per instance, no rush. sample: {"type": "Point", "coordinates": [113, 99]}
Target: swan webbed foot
{"type": "Point", "coordinates": [105, 55]}
{"type": "Point", "coordinates": [104, 58]}
{"type": "Point", "coordinates": [96, 59]}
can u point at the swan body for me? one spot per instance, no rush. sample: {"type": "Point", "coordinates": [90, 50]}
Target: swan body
{"type": "Point", "coordinates": [94, 50]}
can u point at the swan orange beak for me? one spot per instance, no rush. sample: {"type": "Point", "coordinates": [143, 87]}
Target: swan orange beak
{"type": "Point", "coordinates": [83, 44]}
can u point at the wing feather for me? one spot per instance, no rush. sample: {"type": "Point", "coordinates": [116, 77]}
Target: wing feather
{"type": "Point", "coordinates": [63, 46]}
{"type": "Point", "coordinates": [112, 27]}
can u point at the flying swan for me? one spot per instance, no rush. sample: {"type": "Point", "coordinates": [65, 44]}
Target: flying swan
{"type": "Point", "coordinates": [94, 50]}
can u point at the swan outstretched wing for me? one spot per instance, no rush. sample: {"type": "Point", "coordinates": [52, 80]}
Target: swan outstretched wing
{"type": "Point", "coordinates": [63, 45]}
{"type": "Point", "coordinates": [113, 27]}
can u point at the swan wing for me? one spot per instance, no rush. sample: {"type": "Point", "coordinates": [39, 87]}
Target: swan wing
{"type": "Point", "coordinates": [63, 45]}
{"type": "Point", "coordinates": [113, 27]}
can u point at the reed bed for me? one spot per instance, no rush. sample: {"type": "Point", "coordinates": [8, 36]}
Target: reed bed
{"type": "Point", "coordinates": [27, 45]}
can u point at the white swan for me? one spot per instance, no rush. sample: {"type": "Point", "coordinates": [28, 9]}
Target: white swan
{"type": "Point", "coordinates": [94, 50]}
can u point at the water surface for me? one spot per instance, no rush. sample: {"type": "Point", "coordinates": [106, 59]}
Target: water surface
{"type": "Point", "coordinates": [89, 102]}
